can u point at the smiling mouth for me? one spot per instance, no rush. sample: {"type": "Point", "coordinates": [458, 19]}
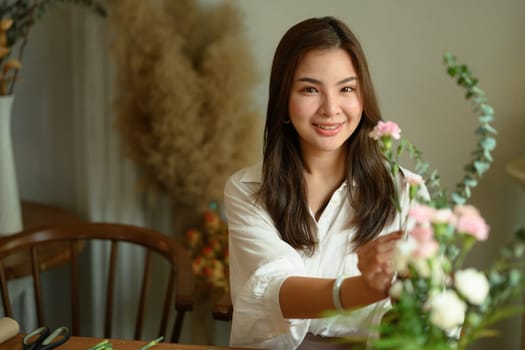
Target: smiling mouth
{"type": "Point", "coordinates": [328, 127]}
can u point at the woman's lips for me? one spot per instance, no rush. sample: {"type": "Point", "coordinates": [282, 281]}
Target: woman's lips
{"type": "Point", "coordinates": [328, 129]}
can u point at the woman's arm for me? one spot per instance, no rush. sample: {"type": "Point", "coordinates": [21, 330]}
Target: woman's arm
{"type": "Point", "coordinates": [308, 297]}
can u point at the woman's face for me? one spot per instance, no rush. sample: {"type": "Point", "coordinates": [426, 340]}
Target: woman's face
{"type": "Point", "coordinates": [325, 105]}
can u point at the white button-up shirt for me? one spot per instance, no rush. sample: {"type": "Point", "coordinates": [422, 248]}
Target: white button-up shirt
{"type": "Point", "coordinates": [260, 261]}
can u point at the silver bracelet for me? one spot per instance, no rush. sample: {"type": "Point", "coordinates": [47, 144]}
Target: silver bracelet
{"type": "Point", "coordinates": [336, 293]}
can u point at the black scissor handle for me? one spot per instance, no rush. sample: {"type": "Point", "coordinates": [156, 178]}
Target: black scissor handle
{"type": "Point", "coordinates": [51, 340]}
{"type": "Point", "coordinates": [42, 333]}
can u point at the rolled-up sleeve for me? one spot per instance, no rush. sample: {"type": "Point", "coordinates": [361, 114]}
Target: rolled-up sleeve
{"type": "Point", "coordinates": [260, 261]}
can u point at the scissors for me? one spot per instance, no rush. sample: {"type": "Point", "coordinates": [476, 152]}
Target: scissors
{"type": "Point", "coordinates": [45, 339]}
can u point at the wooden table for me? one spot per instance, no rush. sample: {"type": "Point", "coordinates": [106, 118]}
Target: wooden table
{"type": "Point", "coordinates": [84, 343]}
{"type": "Point", "coordinates": [41, 215]}
{"type": "Point", "coordinates": [38, 214]}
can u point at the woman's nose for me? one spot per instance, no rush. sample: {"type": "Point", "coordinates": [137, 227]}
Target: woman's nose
{"type": "Point", "coordinates": [330, 106]}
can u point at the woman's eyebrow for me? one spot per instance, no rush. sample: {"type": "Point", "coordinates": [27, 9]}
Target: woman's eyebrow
{"type": "Point", "coordinates": [315, 81]}
{"type": "Point", "coordinates": [309, 80]}
{"type": "Point", "coordinates": [347, 80]}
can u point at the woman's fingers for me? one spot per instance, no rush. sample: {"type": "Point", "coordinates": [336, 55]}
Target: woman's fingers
{"type": "Point", "coordinates": [376, 255]}
{"type": "Point", "coordinates": [379, 281]}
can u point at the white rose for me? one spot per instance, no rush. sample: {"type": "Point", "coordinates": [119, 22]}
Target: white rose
{"type": "Point", "coordinates": [472, 284]}
{"type": "Point", "coordinates": [396, 290]}
{"type": "Point", "coordinates": [447, 310]}
{"type": "Point", "coordinates": [422, 268]}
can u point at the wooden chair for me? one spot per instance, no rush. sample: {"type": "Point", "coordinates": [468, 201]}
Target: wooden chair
{"type": "Point", "coordinates": [31, 245]}
{"type": "Point", "coordinates": [223, 309]}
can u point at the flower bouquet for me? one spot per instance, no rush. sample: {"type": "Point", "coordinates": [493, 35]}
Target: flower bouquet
{"type": "Point", "coordinates": [437, 302]}
{"type": "Point", "coordinates": [208, 247]}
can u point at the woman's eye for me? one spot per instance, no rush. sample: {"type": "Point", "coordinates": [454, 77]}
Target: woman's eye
{"type": "Point", "coordinates": [310, 90]}
{"type": "Point", "coordinates": [347, 89]}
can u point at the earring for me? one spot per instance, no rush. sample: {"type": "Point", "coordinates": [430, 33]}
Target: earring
{"type": "Point", "coordinates": [286, 121]}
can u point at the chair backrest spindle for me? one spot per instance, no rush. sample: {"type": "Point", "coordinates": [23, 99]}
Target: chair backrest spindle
{"type": "Point", "coordinates": [143, 293]}
{"type": "Point", "coordinates": [167, 302]}
{"type": "Point", "coordinates": [110, 293]}
{"type": "Point", "coordinates": [37, 285]}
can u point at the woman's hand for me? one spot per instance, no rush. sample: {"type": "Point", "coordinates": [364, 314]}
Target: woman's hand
{"type": "Point", "coordinates": [375, 261]}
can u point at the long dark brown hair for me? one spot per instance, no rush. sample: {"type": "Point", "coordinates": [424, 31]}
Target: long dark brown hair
{"type": "Point", "coordinates": [283, 190]}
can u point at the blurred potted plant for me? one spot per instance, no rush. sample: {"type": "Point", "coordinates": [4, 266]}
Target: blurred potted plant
{"type": "Point", "coordinates": [208, 247]}
{"type": "Point", "coordinates": [16, 19]}
{"type": "Point", "coordinates": [207, 243]}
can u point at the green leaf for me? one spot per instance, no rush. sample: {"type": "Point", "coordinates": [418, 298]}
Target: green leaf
{"type": "Point", "coordinates": [486, 118]}
{"type": "Point", "coordinates": [490, 129]}
{"type": "Point", "coordinates": [486, 333]}
{"type": "Point", "coordinates": [481, 167]}
{"type": "Point", "coordinates": [488, 156]}
{"type": "Point", "coordinates": [486, 109]}
{"type": "Point", "coordinates": [448, 57]}
{"type": "Point", "coordinates": [503, 313]}
{"type": "Point", "coordinates": [471, 182]}
{"type": "Point", "coordinates": [476, 90]}
{"type": "Point", "coordinates": [488, 143]}
{"type": "Point", "coordinates": [457, 198]}
{"type": "Point", "coordinates": [479, 101]}
{"type": "Point", "coordinates": [514, 277]}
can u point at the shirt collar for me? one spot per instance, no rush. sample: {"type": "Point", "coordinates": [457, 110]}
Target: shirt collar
{"type": "Point", "coordinates": [254, 174]}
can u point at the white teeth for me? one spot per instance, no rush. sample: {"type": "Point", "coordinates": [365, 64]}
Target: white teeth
{"type": "Point", "coordinates": [326, 127]}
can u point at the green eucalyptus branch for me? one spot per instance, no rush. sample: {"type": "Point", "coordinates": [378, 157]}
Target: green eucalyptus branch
{"type": "Point", "coordinates": [483, 153]}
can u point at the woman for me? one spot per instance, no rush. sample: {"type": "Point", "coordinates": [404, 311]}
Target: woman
{"type": "Point", "coordinates": [313, 228]}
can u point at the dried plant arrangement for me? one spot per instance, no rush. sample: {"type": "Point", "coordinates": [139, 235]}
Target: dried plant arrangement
{"type": "Point", "coordinates": [184, 78]}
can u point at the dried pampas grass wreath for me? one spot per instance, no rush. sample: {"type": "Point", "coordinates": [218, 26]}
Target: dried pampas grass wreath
{"type": "Point", "coordinates": [184, 79]}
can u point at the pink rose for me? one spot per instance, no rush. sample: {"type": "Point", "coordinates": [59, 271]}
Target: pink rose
{"type": "Point", "coordinates": [422, 233]}
{"type": "Point", "coordinates": [387, 128]}
{"type": "Point", "coordinates": [421, 213]}
{"type": "Point", "coordinates": [426, 249]}
{"type": "Point", "coordinates": [474, 225]}
{"type": "Point", "coordinates": [413, 179]}
{"type": "Point", "coordinates": [465, 210]}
